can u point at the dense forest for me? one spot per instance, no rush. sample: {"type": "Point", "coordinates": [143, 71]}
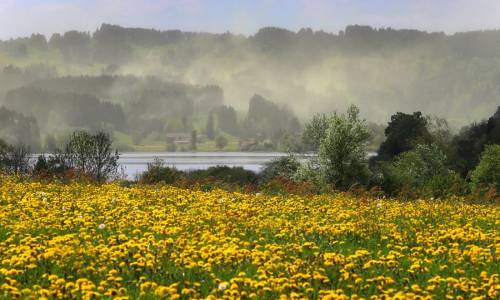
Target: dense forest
{"type": "Point", "coordinates": [255, 91]}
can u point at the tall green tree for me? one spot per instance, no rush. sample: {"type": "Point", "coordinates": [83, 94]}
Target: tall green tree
{"type": "Point", "coordinates": [210, 127]}
{"type": "Point", "coordinates": [91, 155]}
{"type": "Point", "coordinates": [403, 133]}
{"type": "Point", "coordinates": [472, 140]}
{"type": "Point", "coordinates": [227, 119]}
{"type": "Point", "coordinates": [221, 142]}
{"type": "Point", "coordinates": [104, 161]}
{"type": "Point", "coordinates": [487, 172]}
{"type": "Point", "coordinates": [78, 151]}
{"type": "Point", "coordinates": [315, 131]}
{"type": "Point", "coordinates": [194, 140]}
{"type": "Point", "coordinates": [342, 152]}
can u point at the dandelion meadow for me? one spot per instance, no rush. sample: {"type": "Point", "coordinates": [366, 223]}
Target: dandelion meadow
{"type": "Point", "coordinates": [84, 241]}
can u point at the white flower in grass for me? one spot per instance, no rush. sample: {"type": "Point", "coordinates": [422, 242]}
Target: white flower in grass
{"type": "Point", "coordinates": [222, 286]}
{"type": "Point", "coordinates": [102, 226]}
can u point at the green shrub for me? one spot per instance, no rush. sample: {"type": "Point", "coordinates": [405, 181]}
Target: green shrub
{"type": "Point", "coordinates": [486, 175]}
{"type": "Point", "coordinates": [157, 172]}
{"type": "Point", "coordinates": [444, 186]}
{"type": "Point", "coordinates": [310, 171]}
{"type": "Point", "coordinates": [224, 174]}
{"type": "Point", "coordinates": [421, 172]}
{"type": "Point", "coordinates": [285, 166]}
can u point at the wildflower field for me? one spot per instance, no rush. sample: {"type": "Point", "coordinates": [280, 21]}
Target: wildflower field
{"type": "Point", "coordinates": [87, 241]}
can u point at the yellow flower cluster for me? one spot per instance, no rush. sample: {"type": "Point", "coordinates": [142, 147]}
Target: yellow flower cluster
{"type": "Point", "coordinates": [90, 242]}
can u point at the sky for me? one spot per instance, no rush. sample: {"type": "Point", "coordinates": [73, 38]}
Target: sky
{"type": "Point", "coordinates": [24, 17]}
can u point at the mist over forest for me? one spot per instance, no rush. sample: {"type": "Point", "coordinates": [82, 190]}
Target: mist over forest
{"type": "Point", "coordinates": [145, 85]}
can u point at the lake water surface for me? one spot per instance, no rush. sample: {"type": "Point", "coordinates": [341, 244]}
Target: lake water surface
{"type": "Point", "coordinates": [134, 163]}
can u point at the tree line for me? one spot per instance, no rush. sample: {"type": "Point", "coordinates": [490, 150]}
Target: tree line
{"type": "Point", "coordinates": [113, 44]}
{"type": "Point", "coordinates": [85, 156]}
{"type": "Point", "coordinates": [420, 69]}
{"type": "Point", "coordinates": [139, 107]}
{"type": "Point", "coordinates": [419, 157]}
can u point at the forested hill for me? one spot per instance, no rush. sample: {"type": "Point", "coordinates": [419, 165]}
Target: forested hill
{"type": "Point", "coordinates": [150, 82]}
{"type": "Point", "coordinates": [381, 70]}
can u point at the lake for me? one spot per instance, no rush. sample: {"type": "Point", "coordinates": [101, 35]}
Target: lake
{"type": "Point", "coordinates": [134, 163]}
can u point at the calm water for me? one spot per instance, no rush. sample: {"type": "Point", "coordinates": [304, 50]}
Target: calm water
{"type": "Point", "coordinates": [134, 163]}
